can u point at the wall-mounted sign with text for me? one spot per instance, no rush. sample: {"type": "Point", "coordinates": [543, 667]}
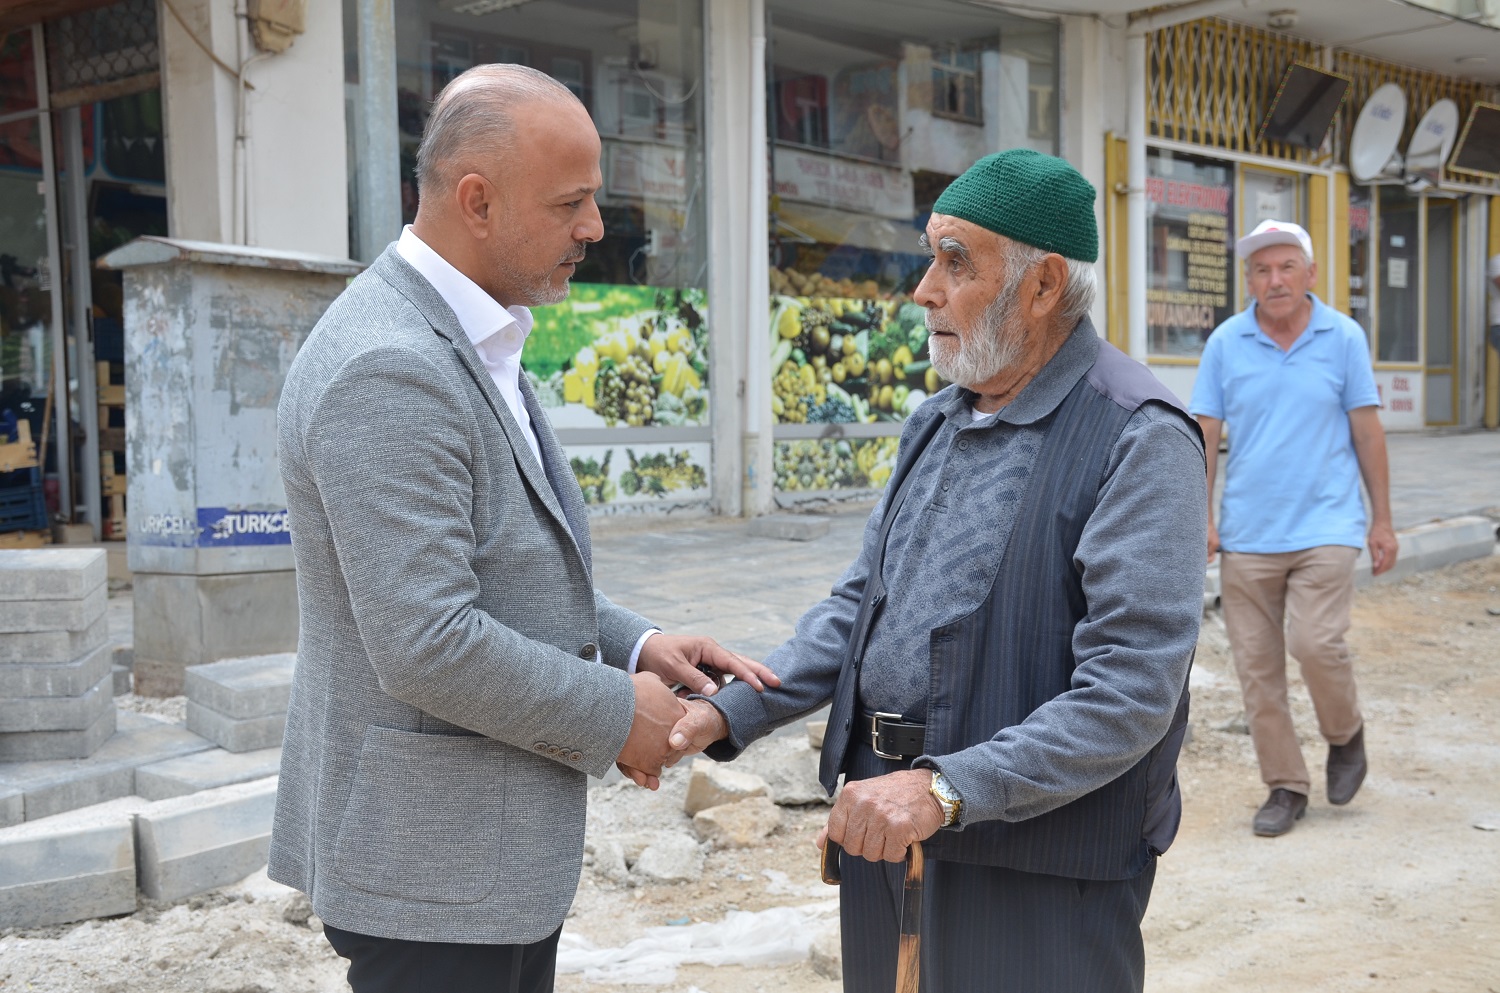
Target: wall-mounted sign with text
{"type": "Point", "coordinates": [215, 527]}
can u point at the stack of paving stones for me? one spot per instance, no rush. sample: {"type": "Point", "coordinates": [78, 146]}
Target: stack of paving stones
{"type": "Point", "coordinates": [56, 668]}
{"type": "Point", "coordinates": [240, 704]}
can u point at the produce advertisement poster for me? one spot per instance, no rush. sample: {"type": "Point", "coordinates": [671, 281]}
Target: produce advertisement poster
{"type": "Point", "coordinates": [654, 475]}
{"type": "Point", "coordinates": [843, 359]}
{"type": "Point", "coordinates": [811, 465]}
{"type": "Point", "coordinates": [621, 356]}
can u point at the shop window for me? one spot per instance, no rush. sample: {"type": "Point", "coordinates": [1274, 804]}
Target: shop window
{"type": "Point", "coordinates": [1190, 253]}
{"type": "Point", "coordinates": [871, 119]}
{"type": "Point", "coordinates": [1361, 258]}
{"type": "Point", "coordinates": [1398, 236]}
{"type": "Point", "coordinates": [17, 73]}
{"type": "Point", "coordinates": [629, 347]}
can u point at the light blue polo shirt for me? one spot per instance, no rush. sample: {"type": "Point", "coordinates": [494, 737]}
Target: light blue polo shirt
{"type": "Point", "coordinates": [1292, 481]}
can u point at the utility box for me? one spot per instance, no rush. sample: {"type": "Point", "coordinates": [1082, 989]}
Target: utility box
{"type": "Point", "coordinates": [210, 331]}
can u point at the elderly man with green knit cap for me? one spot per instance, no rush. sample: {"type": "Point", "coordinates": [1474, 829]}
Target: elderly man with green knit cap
{"type": "Point", "coordinates": [1007, 658]}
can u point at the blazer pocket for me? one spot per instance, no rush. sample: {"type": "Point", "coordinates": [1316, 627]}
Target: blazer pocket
{"type": "Point", "coordinates": [425, 817]}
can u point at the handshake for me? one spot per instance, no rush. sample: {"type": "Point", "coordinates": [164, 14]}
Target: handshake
{"type": "Point", "coordinates": [668, 726]}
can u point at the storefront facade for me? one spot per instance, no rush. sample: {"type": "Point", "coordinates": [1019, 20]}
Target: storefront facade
{"type": "Point", "coordinates": [744, 337]}
{"type": "Point", "coordinates": [1405, 259]}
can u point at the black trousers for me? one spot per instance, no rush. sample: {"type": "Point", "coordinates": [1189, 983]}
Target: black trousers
{"type": "Point", "coordinates": [391, 965]}
{"type": "Point", "coordinates": [986, 928]}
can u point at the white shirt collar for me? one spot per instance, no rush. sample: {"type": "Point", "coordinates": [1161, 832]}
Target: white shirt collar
{"type": "Point", "coordinates": [480, 314]}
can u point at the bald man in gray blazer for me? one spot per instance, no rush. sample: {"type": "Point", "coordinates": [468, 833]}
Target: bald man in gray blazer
{"type": "Point", "coordinates": [458, 675]}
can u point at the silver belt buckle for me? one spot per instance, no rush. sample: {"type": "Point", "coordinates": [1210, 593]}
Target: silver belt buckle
{"type": "Point", "coordinates": [875, 735]}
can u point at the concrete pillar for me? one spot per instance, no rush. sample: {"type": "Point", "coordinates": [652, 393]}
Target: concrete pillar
{"type": "Point", "coordinates": [263, 165]}
{"type": "Point", "coordinates": [210, 331]}
{"type": "Point", "coordinates": [739, 291]}
{"type": "Point", "coordinates": [377, 176]}
{"type": "Point", "coordinates": [1135, 68]}
{"type": "Point", "coordinates": [1083, 74]}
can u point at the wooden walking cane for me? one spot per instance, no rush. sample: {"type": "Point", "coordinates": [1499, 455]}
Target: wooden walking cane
{"type": "Point", "coordinates": [909, 951]}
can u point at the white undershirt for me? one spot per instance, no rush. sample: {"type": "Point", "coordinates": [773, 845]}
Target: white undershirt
{"type": "Point", "coordinates": [498, 333]}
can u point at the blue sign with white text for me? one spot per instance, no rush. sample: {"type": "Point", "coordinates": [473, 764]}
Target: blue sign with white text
{"type": "Point", "coordinates": [220, 527]}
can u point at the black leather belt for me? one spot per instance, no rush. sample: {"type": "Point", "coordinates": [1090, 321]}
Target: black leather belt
{"type": "Point", "coordinates": [891, 737]}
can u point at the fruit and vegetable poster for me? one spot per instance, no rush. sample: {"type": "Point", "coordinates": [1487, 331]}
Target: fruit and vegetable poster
{"type": "Point", "coordinates": [655, 475]}
{"type": "Point", "coordinates": [621, 356]}
{"type": "Point", "coordinates": [845, 359]}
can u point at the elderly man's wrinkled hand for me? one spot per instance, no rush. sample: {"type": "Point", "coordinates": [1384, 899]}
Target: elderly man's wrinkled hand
{"type": "Point", "coordinates": [878, 819]}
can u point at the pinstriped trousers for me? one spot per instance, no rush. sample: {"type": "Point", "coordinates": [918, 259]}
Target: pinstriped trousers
{"type": "Point", "coordinates": [991, 929]}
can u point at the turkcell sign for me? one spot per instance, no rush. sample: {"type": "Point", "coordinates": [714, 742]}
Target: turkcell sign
{"type": "Point", "coordinates": [216, 527]}
{"type": "Point", "coordinates": [220, 527]}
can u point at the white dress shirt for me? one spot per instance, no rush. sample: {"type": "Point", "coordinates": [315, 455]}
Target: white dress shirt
{"type": "Point", "coordinates": [498, 333]}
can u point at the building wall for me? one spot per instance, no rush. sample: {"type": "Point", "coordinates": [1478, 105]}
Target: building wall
{"type": "Point", "coordinates": [283, 186]}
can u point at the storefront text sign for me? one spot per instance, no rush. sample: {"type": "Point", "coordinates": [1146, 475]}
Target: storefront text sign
{"type": "Point", "coordinates": [1191, 269]}
{"type": "Point", "coordinates": [845, 184]}
{"type": "Point", "coordinates": [652, 172]}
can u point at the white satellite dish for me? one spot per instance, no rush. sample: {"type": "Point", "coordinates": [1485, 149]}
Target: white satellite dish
{"type": "Point", "coordinates": [1377, 132]}
{"type": "Point", "coordinates": [1431, 145]}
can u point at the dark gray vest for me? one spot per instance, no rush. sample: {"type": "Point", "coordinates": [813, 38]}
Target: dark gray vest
{"type": "Point", "coordinates": [991, 669]}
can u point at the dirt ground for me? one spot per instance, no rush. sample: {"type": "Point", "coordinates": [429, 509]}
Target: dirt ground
{"type": "Point", "coordinates": [1396, 891]}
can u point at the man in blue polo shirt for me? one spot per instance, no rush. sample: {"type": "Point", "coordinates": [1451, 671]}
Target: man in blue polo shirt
{"type": "Point", "coordinates": [1291, 376]}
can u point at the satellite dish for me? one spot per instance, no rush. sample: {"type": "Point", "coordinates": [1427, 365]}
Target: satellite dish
{"type": "Point", "coordinates": [1377, 132]}
{"type": "Point", "coordinates": [1430, 145]}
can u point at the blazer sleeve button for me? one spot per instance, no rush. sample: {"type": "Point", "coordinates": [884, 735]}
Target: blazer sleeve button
{"type": "Point", "coordinates": [553, 750]}
{"type": "Point", "coordinates": [575, 757]}
{"type": "Point", "coordinates": [589, 651]}
{"type": "Point", "coordinates": [540, 746]}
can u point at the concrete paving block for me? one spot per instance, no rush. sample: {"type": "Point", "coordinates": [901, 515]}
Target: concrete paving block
{"type": "Point", "coordinates": [204, 771]}
{"type": "Point", "coordinates": [194, 843]}
{"type": "Point", "coordinates": [236, 735]}
{"type": "Point", "coordinates": [54, 615]}
{"type": "Point", "coordinates": [1431, 546]}
{"type": "Point", "coordinates": [58, 713]}
{"type": "Point", "coordinates": [52, 787]}
{"type": "Point", "coordinates": [789, 527]}
{"type": "Point", "coordinates": [54, 873]}
{"type": "Point", "coordinates": [123, 679]}
{"type": "Point", "coordinates": [257, 686]}
{"type": "Point", "coordinates": [49, 647]}
{"type": "Point", "coordinates": [40, 746]}
{"type": "Point", "coordinates": [51, 573]}
{"type": "Point", "coordinates": [71, 678]}
{"type": "Point", "coordinates": [12, 806]}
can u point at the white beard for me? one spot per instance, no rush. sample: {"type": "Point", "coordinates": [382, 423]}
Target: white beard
{"type": "Point", "coordinates": [980, 353]}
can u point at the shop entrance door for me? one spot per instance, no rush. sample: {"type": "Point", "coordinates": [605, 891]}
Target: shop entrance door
{"type": "Point", "coordinates": [1440, 330]}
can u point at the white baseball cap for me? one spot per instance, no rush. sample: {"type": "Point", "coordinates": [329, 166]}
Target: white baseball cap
{"type": "Point", "coordinates": [1268, 233]}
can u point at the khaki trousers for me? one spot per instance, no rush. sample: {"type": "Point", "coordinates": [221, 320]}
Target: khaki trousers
{"type": "Point", "coordinates": [1309, 594]}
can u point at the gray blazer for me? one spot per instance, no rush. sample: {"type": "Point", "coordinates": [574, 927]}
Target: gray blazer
{"type": "Point", "coordinates": [447, 702]}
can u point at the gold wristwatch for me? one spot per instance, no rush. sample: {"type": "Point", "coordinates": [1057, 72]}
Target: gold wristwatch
{"type": "Point", "coordinates": [947, 798]}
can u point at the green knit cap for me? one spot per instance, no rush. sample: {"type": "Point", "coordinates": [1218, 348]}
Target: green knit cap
{"type": "Point", "coordinates": [1028, 197]}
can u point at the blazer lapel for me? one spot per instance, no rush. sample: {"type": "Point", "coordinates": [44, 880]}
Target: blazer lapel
{"type": "Point", "coordinates": [400, 274]}
{"type": "Point", "coordinates": [559, 473]}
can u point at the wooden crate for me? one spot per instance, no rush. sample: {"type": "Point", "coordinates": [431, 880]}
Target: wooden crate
{"type": "Point", "coordinates": [111, 483]}
{"type": "Point", "coordinates": [24, 539]}
{"type": "Point", "coordinates": [21, 453]}
{"type": "Point", "coordinates": [115, 525]}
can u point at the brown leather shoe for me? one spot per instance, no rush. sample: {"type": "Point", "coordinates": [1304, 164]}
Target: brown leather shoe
{"type": "Point", "coordinates": [1346, 768]}
{"type": "Point", "coordinates": [1280, 813]}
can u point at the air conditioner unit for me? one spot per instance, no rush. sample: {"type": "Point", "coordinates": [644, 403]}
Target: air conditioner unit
{"type": "Point", "coordinates": [638, 103]}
